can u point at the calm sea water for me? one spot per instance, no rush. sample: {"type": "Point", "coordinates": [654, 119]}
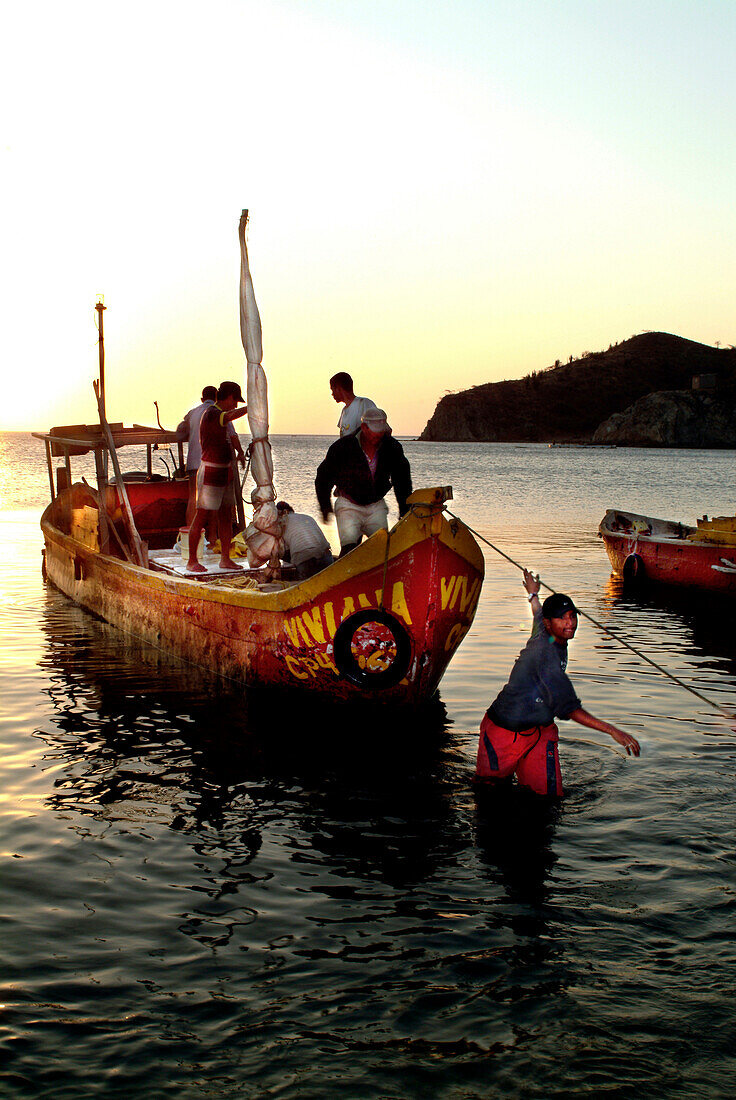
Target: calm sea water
{"type": "Point", "coordinates": [208, 894]}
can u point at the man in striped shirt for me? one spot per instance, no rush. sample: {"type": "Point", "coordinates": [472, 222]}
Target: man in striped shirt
{"type": "Point", "coordinates": [215, 475]}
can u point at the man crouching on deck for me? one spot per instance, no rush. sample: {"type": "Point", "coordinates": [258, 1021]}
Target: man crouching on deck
{"type": "Point", "coordinates": [518, 733]}
{"type": "Point", "coordinates": [215, 475]}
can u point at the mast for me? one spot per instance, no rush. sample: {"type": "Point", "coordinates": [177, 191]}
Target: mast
{"type": "Point", "coordinates": [100, 308]}
{"type": "Point", "coordinates": [262, 535]}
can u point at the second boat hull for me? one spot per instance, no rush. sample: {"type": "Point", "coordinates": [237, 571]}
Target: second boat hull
{"type": "Point", "coordinates": [641, 547]}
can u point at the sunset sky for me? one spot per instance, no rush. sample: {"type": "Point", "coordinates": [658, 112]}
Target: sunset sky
{"type": "Point", "coordinates": [442, 194]}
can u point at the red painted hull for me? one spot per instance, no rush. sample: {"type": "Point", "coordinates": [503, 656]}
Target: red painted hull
{"type": "Point", "coordinates": [431, 572]}
{"type": "Point", "coordinates": [666, 555]}
{"type": "Point", "coordinates": [159, 509]}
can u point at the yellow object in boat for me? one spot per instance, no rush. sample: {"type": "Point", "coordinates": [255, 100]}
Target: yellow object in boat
{"type": "Point", "coordinates": [720, 530]}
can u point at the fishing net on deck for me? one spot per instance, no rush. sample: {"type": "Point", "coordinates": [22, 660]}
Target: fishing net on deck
{"type": "Point", "coordinates": [262, 533]}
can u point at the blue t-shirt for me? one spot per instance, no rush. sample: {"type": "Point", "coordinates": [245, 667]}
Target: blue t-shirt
{"type": "Point", "coordinates": [538, 689]}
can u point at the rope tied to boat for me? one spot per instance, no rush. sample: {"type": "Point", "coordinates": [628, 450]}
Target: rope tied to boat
{"type": "Point", "coordinates": [248, 454]}
{"type": "Point", "coordinates": [385, 571]}
{"type": "Point", "coordinates": [606, 630]}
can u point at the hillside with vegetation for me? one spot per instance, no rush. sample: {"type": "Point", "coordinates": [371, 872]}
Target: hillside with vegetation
{"type": "Point", "coordinates": [567, 402]}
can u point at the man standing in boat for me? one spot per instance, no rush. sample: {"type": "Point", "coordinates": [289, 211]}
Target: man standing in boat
{"type": "Point", "coordinates": [342, 390]}
{"type": "Point", "coordinates": [362, 468]}
{"type": "Point", "coordinates": [188, 429]}
{"type": "Point", "coordinates": [518, 733]}
{"type": "Point", "coordinates": [215, 485]}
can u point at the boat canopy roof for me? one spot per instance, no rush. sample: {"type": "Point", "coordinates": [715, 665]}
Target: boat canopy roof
{"type": "Point", "coordinates": [80, 439]}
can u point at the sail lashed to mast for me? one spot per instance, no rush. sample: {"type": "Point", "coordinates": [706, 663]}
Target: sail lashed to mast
{"type": "Point", "coordinates": [262, 534]}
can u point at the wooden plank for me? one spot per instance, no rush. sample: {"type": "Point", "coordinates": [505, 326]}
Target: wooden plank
{"type": "Point", "coordinates": [106, 524]}
{"type": "Point", "coordinates": [91, 441]}
{"type": "Point", "coordinates": [50, 466]}
{"type": "Point", "coordinates": [139, 551]}
{"type": "Point", "coordinates": [238, 493]}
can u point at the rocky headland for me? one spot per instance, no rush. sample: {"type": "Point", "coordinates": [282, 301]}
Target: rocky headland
{"type": "Point", "coordinates": [653, 390]}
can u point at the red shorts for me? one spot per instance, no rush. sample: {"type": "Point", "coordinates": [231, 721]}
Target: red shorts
{"type": "Point", "coordinates": [531, 754]}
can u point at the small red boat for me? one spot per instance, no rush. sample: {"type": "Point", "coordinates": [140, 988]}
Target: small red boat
{"type": "Point", "coordinates": [665, 551]}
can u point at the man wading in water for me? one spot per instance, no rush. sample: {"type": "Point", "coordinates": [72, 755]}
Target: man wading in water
{"type": "Point", "coordinates": [518, 733]}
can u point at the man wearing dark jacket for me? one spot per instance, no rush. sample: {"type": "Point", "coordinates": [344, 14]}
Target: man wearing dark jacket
{"type": "Point", "coordinates": [362, 468]}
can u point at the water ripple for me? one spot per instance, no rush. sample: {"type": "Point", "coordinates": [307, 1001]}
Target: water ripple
{"type": "Point", "coordinates": [210, 893]}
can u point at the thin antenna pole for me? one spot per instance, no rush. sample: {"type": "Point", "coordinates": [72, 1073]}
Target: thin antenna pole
{"type": "Point", "coordinates": [101, 342]}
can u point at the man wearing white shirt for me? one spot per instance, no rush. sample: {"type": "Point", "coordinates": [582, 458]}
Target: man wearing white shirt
{"type": "Point", "coordinates": [351, 416]}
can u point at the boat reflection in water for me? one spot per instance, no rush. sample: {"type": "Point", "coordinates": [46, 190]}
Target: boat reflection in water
{"type": "Point", "coordinates": [142, 738]}
{"type": "Point", "coordinates": [676, 615]}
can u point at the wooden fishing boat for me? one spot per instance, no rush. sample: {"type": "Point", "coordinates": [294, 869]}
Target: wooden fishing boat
{"type": "Point", "coordinates": [664, 551]}
{"type": "Point", "coordinates": [381, 623]}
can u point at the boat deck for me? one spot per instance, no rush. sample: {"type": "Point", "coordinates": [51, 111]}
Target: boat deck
{"type": "Point", "coordinates": [644, 528]}
{"type": "Point", "coordinates": [171, 562]}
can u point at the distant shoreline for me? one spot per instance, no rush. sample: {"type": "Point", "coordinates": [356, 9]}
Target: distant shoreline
{"type": "Point", "coordinates": [409, 438]}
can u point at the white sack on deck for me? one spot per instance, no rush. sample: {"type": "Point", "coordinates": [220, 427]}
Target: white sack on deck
{"type": "Point", "coordinates": [262, 534]}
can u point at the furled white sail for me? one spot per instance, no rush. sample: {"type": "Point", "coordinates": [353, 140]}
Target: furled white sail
{"type": "Point", "coordinates": [262, 534]}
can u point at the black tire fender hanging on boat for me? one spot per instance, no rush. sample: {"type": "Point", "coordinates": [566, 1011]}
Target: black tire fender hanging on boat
{"type": "Point", "coordinates": [349, 666]}
{"type": "Point", "coordinates": [633, 570]}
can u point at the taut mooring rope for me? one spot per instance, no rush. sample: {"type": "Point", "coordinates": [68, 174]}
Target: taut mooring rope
{"type": "Point", "coordinates": [607, 630]}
